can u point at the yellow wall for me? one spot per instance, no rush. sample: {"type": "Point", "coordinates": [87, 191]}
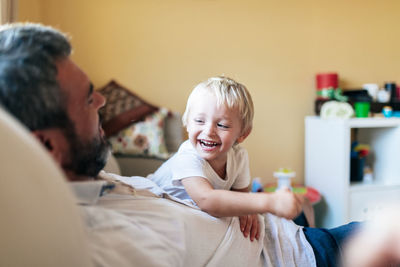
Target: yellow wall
{"type": "Point", "coordinates": [162, 48]}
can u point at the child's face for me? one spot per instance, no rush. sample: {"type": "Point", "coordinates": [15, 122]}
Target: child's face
{"type": "Point", "coordinates": [213, 130]}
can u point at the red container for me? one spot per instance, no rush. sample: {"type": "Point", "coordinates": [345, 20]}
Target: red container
{"type": "Point", "coordinates": [326, 83]}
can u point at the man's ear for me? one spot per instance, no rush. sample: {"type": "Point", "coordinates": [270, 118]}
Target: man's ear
{"type": "Point", "coordinates": [243, 136]}
{"type": "Point", "coordinates": [50, 139]}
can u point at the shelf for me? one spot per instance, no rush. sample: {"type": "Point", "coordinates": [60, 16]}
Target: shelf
{"type": "Point", "coordinates": [362, 186]}
{"type": "Point", "coordinates": [328, 166]}
{"type": "Point", "coordinates": [375, 106]}
{"type": "Point", "coordinates": [372, 122]}
{"type": "Point", "coordinates": [364, 122]}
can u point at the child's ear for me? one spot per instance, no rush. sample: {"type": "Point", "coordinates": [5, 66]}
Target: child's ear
{"type": "Point", "coordinates": [243, 136]}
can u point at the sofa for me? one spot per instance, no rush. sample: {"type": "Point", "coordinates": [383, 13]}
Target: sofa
{"type": "Point", "coordinates": [140, 165]}
{"type": "Point", "coordinates": [40, 224]}
{"type": "Point", "coordinates": [142, 134]}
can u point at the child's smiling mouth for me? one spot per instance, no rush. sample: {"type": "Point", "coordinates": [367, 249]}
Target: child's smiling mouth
{"type": "Point", "coordinates": [208, 144]}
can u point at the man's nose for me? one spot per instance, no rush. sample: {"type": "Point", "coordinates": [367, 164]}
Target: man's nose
{"type": "Point", "coordinates": [100, 99]}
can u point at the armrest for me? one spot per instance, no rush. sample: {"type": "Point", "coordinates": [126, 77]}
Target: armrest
{"type": "Point", "coordinates": [40, 223]}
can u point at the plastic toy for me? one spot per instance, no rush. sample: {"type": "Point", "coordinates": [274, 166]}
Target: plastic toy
{"type": "Point", "coordinates": [284, 175]}
{"type": "Point", "coordinates": [256, 185]}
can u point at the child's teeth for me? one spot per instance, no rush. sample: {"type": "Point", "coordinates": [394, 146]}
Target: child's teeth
{"type": "Point", "coordinates": [208, 143]}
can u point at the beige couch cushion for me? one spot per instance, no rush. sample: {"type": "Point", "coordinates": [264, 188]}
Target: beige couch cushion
{"type": "Point", "coordinates": [40, 224]}
{"type": "Point", "coordinates": [143, 166]}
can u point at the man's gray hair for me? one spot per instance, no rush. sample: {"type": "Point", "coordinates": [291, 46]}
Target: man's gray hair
{"type": "Point", "coordinates": [28, 74]}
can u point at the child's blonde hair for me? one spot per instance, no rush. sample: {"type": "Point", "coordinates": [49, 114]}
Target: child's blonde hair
{"type": "Point", "coordinates": [228, 92]}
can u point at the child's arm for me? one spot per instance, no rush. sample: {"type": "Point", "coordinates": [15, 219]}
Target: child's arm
{"type": "Point", "coordinates": [249, 224]}
{"type": "Point", "coordinates": [223, 203]}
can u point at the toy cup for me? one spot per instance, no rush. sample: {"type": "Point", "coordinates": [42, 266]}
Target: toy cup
{"type": "Point", "coordinates": [284, 176]}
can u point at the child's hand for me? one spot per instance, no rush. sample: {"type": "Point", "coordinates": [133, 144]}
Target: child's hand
{"type": "Point", "coordinates": [286, 204]}
{"type": "Point", "coordinates": [249, 225]}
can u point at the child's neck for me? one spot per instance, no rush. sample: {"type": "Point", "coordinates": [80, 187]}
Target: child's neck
{"type": "Point", "coordinates": [222, 173]}
{"type": "Point", "coordinates": [220, 170]}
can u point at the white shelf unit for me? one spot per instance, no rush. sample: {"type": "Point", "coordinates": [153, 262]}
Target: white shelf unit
{"type": "Point", "coordinates": [327, 167]}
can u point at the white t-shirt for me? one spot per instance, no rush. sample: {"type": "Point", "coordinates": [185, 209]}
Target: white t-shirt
{"type": "Point", "coordinates": [187, 163]}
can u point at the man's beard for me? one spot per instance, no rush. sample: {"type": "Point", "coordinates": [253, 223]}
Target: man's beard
{"type": "Point", "coordinates": [86, 158]}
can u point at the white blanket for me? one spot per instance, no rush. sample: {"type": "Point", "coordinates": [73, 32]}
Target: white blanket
{"type": "Point", "coordinates": [161, 233]}
{"type": "Point", "coordinates": [126, 230]}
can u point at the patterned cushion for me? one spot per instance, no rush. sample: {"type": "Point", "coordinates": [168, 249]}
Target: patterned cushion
{"type": "Point", "coordinates": [122, 108]}
{"type": "Point", "coordinates": [145, 138]}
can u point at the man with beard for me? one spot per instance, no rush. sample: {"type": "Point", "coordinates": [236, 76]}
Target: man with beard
{"type": "Point", "coordinates": [37, 88]}
{"type": "Point", "coordinates": [43, 88]}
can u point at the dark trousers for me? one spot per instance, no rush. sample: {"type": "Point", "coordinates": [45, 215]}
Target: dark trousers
{"type": "Point", "coordinates": [327, 243]}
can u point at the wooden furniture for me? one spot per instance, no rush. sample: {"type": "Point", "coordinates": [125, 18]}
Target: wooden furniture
{"type": "Point", "coordinates": [327, 167]}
